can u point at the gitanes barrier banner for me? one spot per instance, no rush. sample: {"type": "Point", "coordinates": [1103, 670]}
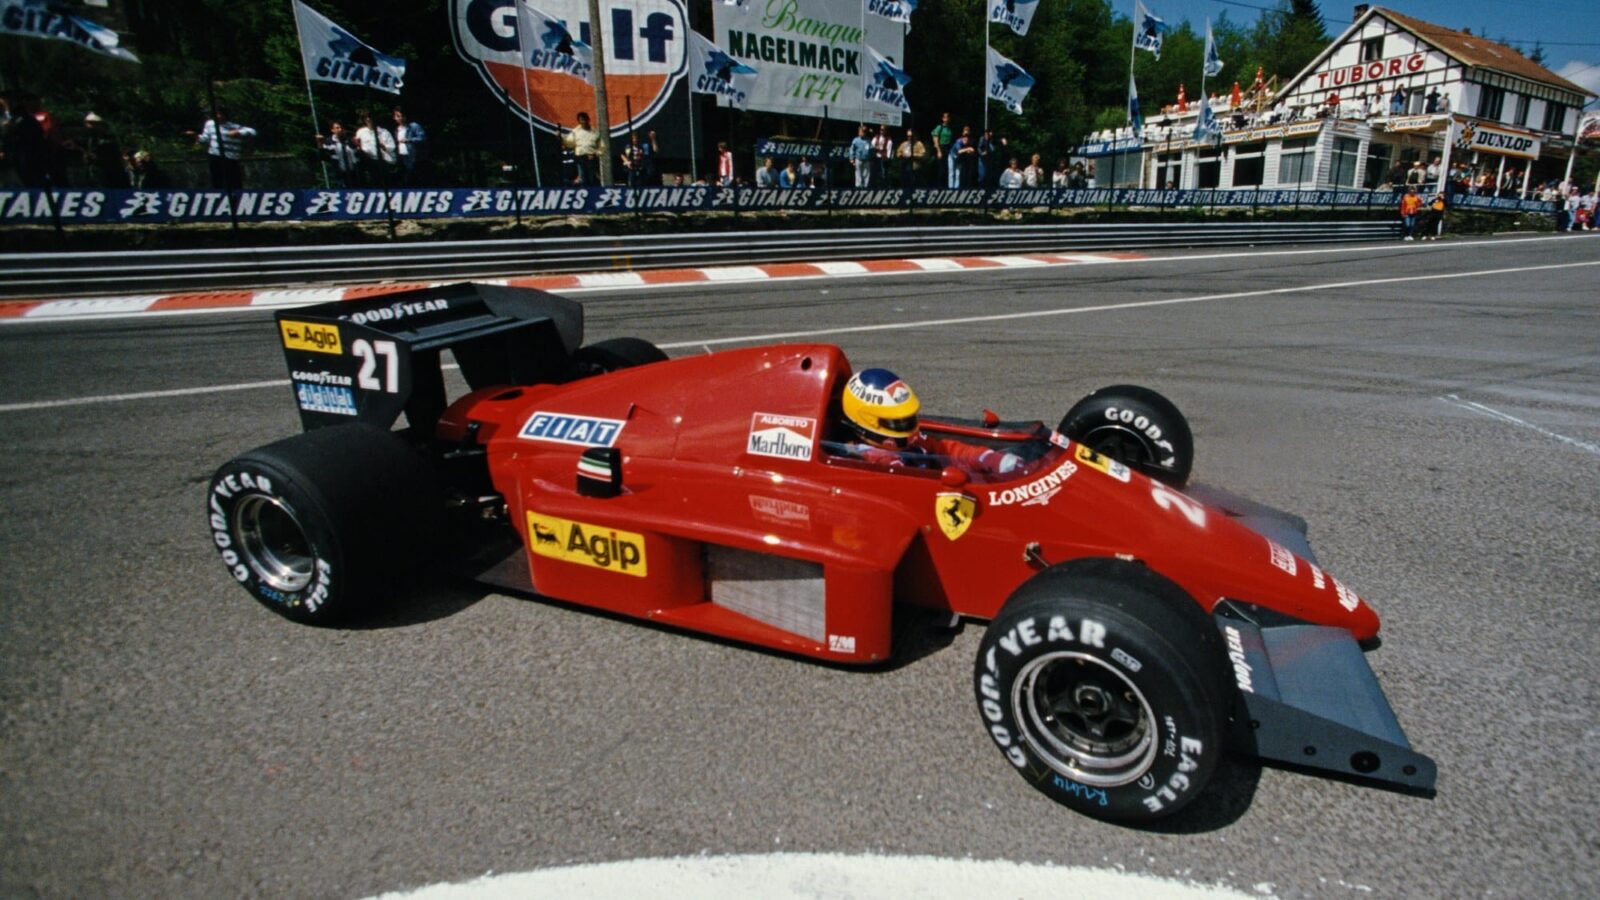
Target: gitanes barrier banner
{"type": "Point", "coordinates": [127, 206]}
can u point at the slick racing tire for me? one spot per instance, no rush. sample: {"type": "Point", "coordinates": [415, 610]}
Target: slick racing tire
{"type": "Point", "coordinates": [602, 357]}
{"type": "Point", "coordinates": [321, 526]}
{"type": "Point", "coordinates": [1136, 427]}
{"type": "Point", "coordinates": [1105, 686]}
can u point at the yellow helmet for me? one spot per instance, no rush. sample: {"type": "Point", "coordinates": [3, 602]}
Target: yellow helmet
{"type": "Point", "coordinates": [881, 407]}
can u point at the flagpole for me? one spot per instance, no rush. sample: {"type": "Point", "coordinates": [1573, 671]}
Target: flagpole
{"type": "Point", "coordinates": [316, 129]}
{"type": "Point", "coordinates": [862, 94]}
{"type": "Point", "coordinates": [984, 79]}
{"type": "Point", "coordinates": [694, 167]}
{"type": "Point", "coordinates": [527, 105]}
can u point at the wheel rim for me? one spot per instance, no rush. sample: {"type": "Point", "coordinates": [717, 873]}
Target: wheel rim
{"type": "Point", "coordinates": [1085, 719]}
{"type": "Point", "coordinates": [1121, 444]}
{"type": "Point", "coordinates": [273, 543]}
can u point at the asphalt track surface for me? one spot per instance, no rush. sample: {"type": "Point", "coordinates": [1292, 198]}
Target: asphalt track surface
{"type": "Point", "coordinates": [1436, 418]}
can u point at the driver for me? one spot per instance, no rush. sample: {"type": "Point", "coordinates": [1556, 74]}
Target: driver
{"type": "Point", "coordinates": [881, 411]}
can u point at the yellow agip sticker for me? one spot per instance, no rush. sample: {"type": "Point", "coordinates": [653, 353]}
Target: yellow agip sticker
{"type": "Point", "coordinates": [587, 545]}
{"type": "Point", "coordinates": [311, 336]}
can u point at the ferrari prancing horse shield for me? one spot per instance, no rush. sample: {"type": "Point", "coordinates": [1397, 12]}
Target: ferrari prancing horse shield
{"type": "Point", "coordinates": [954, 512]}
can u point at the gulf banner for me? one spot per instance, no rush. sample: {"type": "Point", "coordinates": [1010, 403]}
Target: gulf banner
{"type": "Point", "coordinates": [812, 55]}
{"type": "Point", "coordinates": [536, 58]}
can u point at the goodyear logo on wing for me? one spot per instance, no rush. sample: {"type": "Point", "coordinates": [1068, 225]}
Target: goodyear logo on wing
{"type": "Point", "coordinates": [311, 336]}
{"type": "Point", "coordinates": [564, 428]}
{"type": "Point", "coordinates": [587, 545]}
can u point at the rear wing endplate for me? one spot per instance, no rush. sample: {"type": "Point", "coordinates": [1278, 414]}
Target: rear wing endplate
{"type": "Point", "coordinates": [370, 360]}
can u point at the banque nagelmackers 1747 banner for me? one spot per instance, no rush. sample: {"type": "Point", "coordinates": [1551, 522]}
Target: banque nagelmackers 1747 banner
{"type": "Point", "coordinates": [811, 54]}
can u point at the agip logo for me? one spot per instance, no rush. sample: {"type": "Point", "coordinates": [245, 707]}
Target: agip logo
{"type": "Point", "coordinates": [645, 55]}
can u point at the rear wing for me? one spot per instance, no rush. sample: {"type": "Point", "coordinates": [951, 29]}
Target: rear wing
{"type": "Point", "coordinates": [369, 360]}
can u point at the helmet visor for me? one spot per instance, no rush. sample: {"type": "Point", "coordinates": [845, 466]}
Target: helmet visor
{"type": "Point", "coordinates": [905, 425]}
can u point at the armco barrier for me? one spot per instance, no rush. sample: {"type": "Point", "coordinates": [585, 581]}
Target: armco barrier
{"type": "Point", "coordinates": [165, 271]}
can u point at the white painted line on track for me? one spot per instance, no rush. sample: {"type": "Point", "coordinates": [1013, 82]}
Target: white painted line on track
{"type": "Point", "coordinates": [610, 279]}
{"type": "Point", "coordinates": [92, 306]}
{"type": "Point", "coordinates": [1480, 409]}
{"type": "Point", "coordinates": [144, 395]}
{"type": "Point", "coordinates": [841, 268]}
{"type": "Point", "coordinates": [1110, 307]}
{"type": "Point", "coordinates": [792, 876]}
{"type": "Point", "coordinates": [296, 296]}
{"type": "Point", "coordinates": [736, 273]}
{"type": "Point", "coordinates": [891, 326]}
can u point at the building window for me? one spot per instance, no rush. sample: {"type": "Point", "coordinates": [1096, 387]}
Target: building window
{"type": "Point", "coordinates": [1555, 116]}
{"type": "Point", "coordinates": [1378, 162]}
{"type": "Point", "coordinates": [1298, 162]}
{"type": "Point", "coordinates": [1490, 102]}
{"type": "Point", "coordinates": [1249, 165]}
{"type": "Point", "coordinates": [1169, 170]}
{"type": "Point", "coordinates": [1372, 49]}
{"type": "Point", "coordinates": [1207, 169]}
{"type": "Point", "coordinates": [1346, 153]}
{"type": "Point", "coordinates": [1521, 118]}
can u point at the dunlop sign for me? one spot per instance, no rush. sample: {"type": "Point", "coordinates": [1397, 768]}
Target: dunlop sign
{"type": "Point", "coordinates": [1489, 139]}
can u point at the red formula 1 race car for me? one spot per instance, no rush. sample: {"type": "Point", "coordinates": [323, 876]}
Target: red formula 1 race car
{"type": "Point", "coordinates": [1138, 629]}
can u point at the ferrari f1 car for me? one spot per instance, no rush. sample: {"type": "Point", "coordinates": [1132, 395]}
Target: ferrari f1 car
{"type": "Point", "coordinates": [1138, 628]}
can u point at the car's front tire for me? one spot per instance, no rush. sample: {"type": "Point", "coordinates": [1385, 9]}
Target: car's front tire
{"type": "Point", "coordinates": [1104, 685]}
{"type": "Point", "coordinates": [322, 526]}
{"type": "Point", "coordinates": [1136, 427]}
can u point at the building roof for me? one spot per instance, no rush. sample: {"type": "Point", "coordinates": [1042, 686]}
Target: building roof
{"type": "Point", "coordinates": [1474, 50]}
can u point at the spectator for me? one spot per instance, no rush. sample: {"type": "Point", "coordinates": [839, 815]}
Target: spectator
{"type": "Point", "coordinates": [1433, 171]}
{"type": "Point", "coordinates": [375, 152]}
{"type": "Point", "coordinates": [767, 175]}
{"type": "Point", "coordinates": [1397, 101]}
{"type": "Point", "coordinates": [860, 156]}
{"type": "Point", "coordinates": [1432, 104]}
{"type": "Point", "coordinates": [569, 160]}
{"type": "Point", "coordinates": [224, 140]}
{"type": "Point", "coordinates": [911, 154]}
{"type": "Point", "coordinates": [338, 155]}
{"type": "Point", "coordinates": [724, 164]}
{"type": "Point", "coordinates": [807, 173]}
{"type": "Point", "coordinates": [1416, 176]}
{"type": "Point", "coordinates": [1410, 205]}
{"type": "Point", "coordinates": [101, 155]}
{"type": "Point", "coordinates": [943, 138]}
{"type": "Point", "coordinates": [1397, 176]}
{"type": "Point", "coordinates": [790, 176]}
{"type": "Point", "coordinates": [26, 147]}
{"type": "Point", "coordinates": [1033, 176]}
{"type": "Point", "coordinates": [988, 155]}
{"type": "Point", "coordinates": [1432, 218]}
{"type": "Point", "coordinates": [411, 145]}
{"type": "Point", "coordinates": [1375, 104]}
{"type": "Point", "coordinates": [144, 175]}
{"type": "Point", "coordinates": [882, 152]}
{"type": "Point", "coordinates": [1443, 105]}
{"type": "Point", "coordinates": [1062, 176]}
{"type": "Point", "coordinates": [632, 161]}
{"type": "Point", "coordinates": [648, 174]}
{"type": "Point", "coordinates": [1586, 209]}
{"type": "Point", "coordinates": [965, 153]}
{"type": "Point", "coordinates": [585, 146]}
{"type": "Point", "coordinates": [1012, 178]}
{"type": "Point", "coordinates": [1088, 179]}
{"type": "Point", "coordinates": [1569, 207]}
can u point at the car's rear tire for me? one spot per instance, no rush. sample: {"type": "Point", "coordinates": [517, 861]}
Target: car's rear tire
{"type": "Point", "coordinates": [323, 526]}
{"type": "Point", "coordinates": [614, 354]}
{"type": "Point", "coordinates": [1104, 684]}
{"type": "Point", "coordinates": [1136, 427]}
